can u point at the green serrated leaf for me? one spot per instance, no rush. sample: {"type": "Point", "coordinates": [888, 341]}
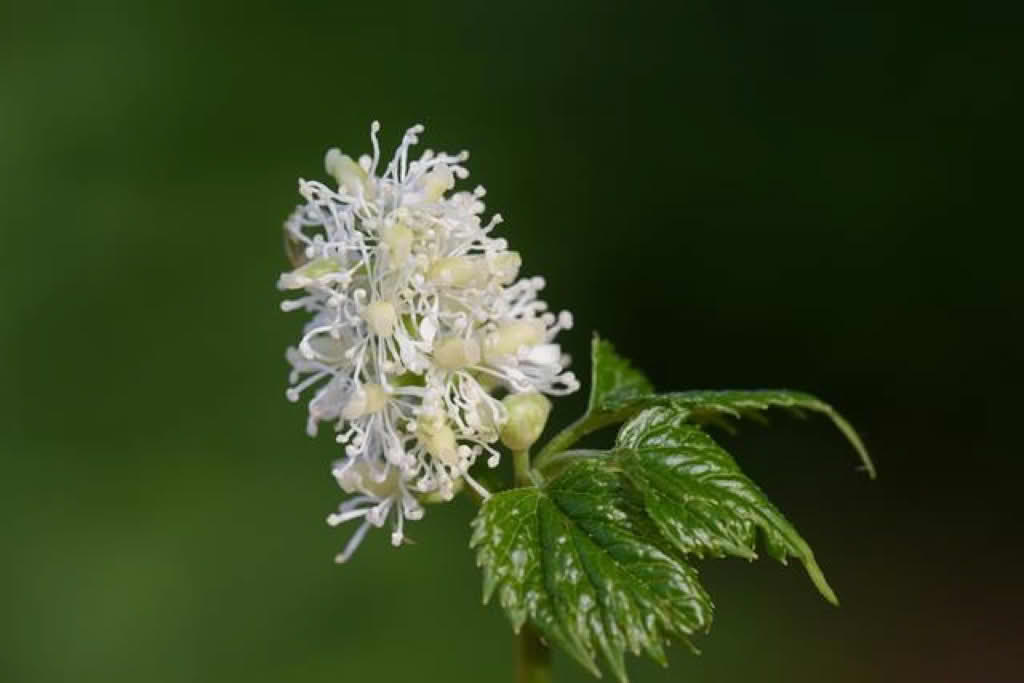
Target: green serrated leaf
{"type": "Point", "coordinates": [619, 391]}
{"type": "Point", "coordinates": [709, 407]}
{"type": "Point", "coordinates": [585, 564]}
{"type": "Point", "coordinates": [698, 497]}
{"type": "Point", "coordinates": [615, 383]}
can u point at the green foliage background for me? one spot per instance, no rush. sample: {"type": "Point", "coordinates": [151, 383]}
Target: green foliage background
{"type": "Point", "coordinates": [820, 196]}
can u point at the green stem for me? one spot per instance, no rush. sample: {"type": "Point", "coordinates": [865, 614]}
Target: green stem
{"type": "Point", "coordinates": [573, 433]}
{"type": "Point", "coordinates": [521, 460]}
{"type": "Point", "coordinates": [534, 657]}
{"type": "Point", "coordinates": [563, 440]}
{"type": "Point", "coordinates": [568, 456]}
{"type": "Point", "coordinates": [525, 475]}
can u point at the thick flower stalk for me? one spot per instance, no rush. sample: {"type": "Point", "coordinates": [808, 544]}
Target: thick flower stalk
{"type": "Point", "coordinates": [420, 330]}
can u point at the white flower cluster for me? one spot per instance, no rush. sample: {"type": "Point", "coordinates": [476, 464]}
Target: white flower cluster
{"type": "Point", "coordinates": [419, 324]}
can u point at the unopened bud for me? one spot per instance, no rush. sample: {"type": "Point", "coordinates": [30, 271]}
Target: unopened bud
{"type": "Point", "coordinates": [458, 271]}
{"type": "Point", "coordinates": [300, 277]}
{"type": "Point", "coordinates": [398, 239]}
{"type": "Point", "coordinates": [510, 337]}
{"type": "Point", "coordinates": [439, 440]}
{"type": "Point", "coordinates": [371, 398]}
{"type": "Point", "coordinates": [438, 181]}
{"type": "Point", "coordinates": [381, 317]}
{"type": "Point", "coordinates": [527, 415]}
{"type": "Point", "coordinates": [505, 266]}
{"type": "Point", "coordinates": [360, 477]}
{"type": "Point", "coordinates": [349, 174]}
{"type": "Point", "coordinates": [455, 353]}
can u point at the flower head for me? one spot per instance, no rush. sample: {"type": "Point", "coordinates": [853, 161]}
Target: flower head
{"type": "Point", "coordinates": [418, 325]}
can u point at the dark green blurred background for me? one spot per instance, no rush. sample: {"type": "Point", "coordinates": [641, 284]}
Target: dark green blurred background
{"type": "Point", "coordinates": [737, 194]}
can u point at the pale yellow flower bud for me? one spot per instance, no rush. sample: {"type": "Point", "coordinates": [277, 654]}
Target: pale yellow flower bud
{"type": "Point", "coordinates": [381, 317]}
{"type": "Point", "coordinates": [360, 478]}
{"type": "Point", "coordinates": [349, 174]}
{"type": "Point", "coordinates": [505, 266]}
{"type": "Point", "coordinates": [438, 181]}
{"type": "Point", "coordinates": [372, 398]}
{"type": "Point", "coordinates": [527, 415]}
{"type": "Point", "coordinates": [455, 353]}
{"type": "Point", "coordinates": [398, 238]}
{"type": "Point", "coordinates": [301, 277]}
{"type": "Point", "coordinates": [510, 337]}
{"type": "Point", "coordinates": [458, 271]}
{"type": "Point", "coordinates": [439, 440]}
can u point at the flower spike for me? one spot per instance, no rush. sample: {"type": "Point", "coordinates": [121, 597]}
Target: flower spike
{"type": "Point", "coordinates": [419, 325]}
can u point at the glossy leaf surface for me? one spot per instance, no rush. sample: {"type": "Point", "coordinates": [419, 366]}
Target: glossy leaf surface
{"type": "Point", "coordinates": [707, 406]}
{"type": "Point", "coordinates": [585, 564]}
{"type": "Point", "coordinates": [619, 391]}
{"type": "Point", "coordinates": [697, 495]}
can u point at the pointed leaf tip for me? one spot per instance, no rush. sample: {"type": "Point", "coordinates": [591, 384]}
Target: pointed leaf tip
{"type": "Point", "coordinates": [710, 407]}
{"type": "Point", "coordinates": [854, 438]}
{"type": "Point", "coordinates": [698, 497]}
{"type": "Point", "coordinates": [615, 383]}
